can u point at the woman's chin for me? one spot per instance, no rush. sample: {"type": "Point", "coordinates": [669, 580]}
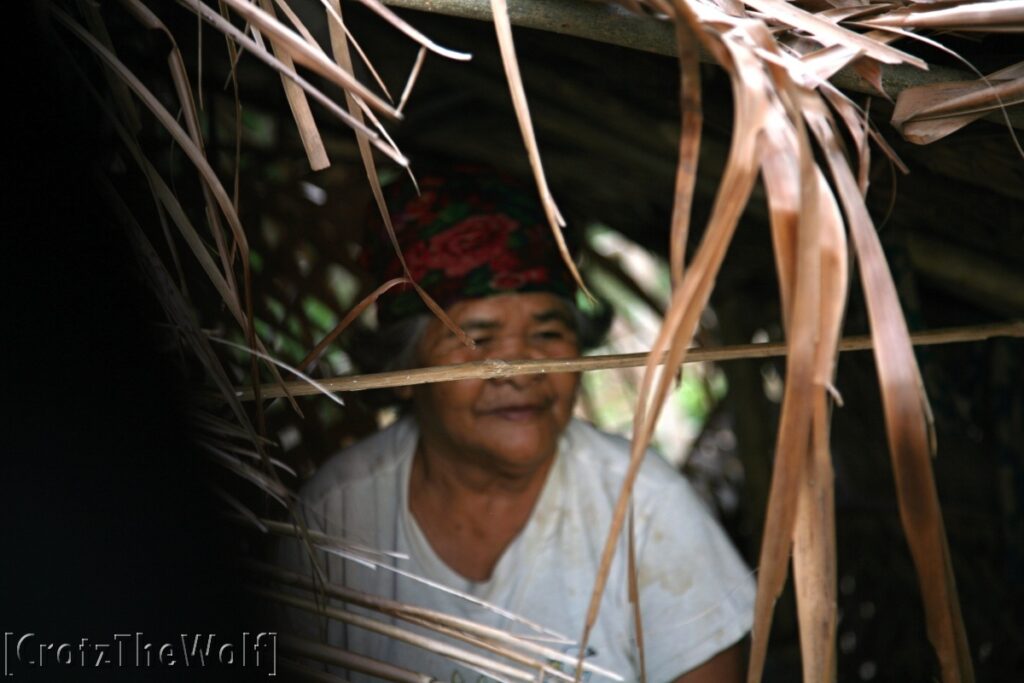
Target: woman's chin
{"type": "Point", "coordinates": [523, 448]}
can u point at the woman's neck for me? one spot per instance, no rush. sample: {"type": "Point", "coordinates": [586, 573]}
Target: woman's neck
{"type": "Point", "coordinates": [466, 476]}
{"type": "Point", "coordinates": [468, 513]}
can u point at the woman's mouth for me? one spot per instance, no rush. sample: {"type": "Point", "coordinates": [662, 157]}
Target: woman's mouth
{"type": "Point", "coordinates": [517, 413]}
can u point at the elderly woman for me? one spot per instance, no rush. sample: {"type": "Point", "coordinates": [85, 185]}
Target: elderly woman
{"type": "Point", "coordinates": [491, 487]}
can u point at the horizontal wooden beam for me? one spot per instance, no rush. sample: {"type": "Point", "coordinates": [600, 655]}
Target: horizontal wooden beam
{"type": "Point", "coordinates": [491, 369]}
{"type": "Point", "coordinates": [611, 24]}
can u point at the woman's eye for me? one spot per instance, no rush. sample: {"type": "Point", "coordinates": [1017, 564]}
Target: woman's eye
{"type": "Point", "coordinates": [480, 341]}
{"type": "Point", "coordinates": [550, 335]}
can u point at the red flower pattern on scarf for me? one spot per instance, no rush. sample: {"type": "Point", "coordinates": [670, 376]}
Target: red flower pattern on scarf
{"type": "Point", "coordinates": [466, 246]}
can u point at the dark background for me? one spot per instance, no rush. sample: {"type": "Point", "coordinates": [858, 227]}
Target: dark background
{"type": "Point", "coordinates": [106, 526]}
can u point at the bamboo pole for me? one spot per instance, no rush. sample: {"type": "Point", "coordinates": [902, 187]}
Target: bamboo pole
{"type": "Point", "coordinates": [494, 369]}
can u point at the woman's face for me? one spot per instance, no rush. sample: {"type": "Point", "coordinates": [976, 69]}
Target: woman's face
{"type": "Point", "coordinates": [508, 425]}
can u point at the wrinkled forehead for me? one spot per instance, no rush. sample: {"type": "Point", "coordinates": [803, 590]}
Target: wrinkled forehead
{"type": "Point", "coordinates": [508, 311]}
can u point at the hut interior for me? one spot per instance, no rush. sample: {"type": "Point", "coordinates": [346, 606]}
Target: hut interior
{"type": "Point", "coordinates": [607, 117]}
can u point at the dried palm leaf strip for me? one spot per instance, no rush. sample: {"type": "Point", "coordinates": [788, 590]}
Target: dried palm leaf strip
{"type": "Point", "coordinates": [691, 112]}
{"type": "Point", "coordinates": [814, 542]}
{"type": "Point", "coordinates": [381, 10]}
{"type": "Point", "coordinates": [318, 351]}
{"type": "Point", "coordinates": [928, 113]}
{"type": "Point", "coordinates": [249, 44]}
{"type": "Point", "coordinates": [175, 307]}
{"type": "Point", "coordinates": [792, 204]}
{"type": "Point", "coordinates": [179, 312]}
{"type": "Point", "coordinates": [308, 55]}
{"type": "Point", "coordinates": [503, 28]}
{"type": "Point", "coordinates": [403, 610]}
{"type": "Point", "coordinates": [233, 55]}
{"type": "Point", "coordinates": [794, 433]}
{"type": "Point", "coordinates": [463, 630]}
{"type": "Point", "coordinates": [129, 119]}
{"type": "Point", "coordinates": [988, 17]}
{"type": "Point", "coordinates": [179, 77]}
{"type": "Point", "coordinates": [907, 423]}
{"type": "Point", "coordinates": [689, 299]}
{"type": "Point", "coordinates": [194, 154]}
{"type": "Point", "coordinates": [828, 33]}
{"type": "Point", "coordinates": [163, 193]}
{"type": "Point", "coordinates": [433, 645]}
{"type": "Point", "coordinates": [634, 598]}
{"type": "Point", "coordinates": [312, 143]}
{"type": "Point", "coordinates": [339, 46]}
{"type": "Point", "coordinates": [413, 74]}
{"type": "Point", "coordinates": [348, 34]}
{"type": "Point", "coordinates": [121, 94]}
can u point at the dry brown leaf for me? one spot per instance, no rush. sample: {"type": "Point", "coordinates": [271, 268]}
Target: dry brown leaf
{"type": "Point", "coordinates": [179, 77]}
{"type": "Point", "coordinates": [238, 36]}
{"type": "Point", "coordinates": [339, 45]}
{"type": "Point", "coordinates": [503, 27]}
{"type": "Point", "coordinates": [990, 17]}
{"type": "Point", "coordinates": [424, 616]}
{"type": "Point", "coordinates": [312, 143]}
{"type": "Point", "coordinates": [413, 74]}
{"type": "Point", "coordinates": [332, 15]}
{"type": "Point", "coordinates": [829, 34]}
{"type": "Point", "coordinates": [690, 298]}
{"type": "Point", "coordinates": [794, 434]}
{"type": "Point", "coordinates": [313, 356]}
{"type": "Point", "coordinates": [307, 55]}
{"type": "Point", "coordinates": [634, 596]}
{"type": "Point", "coordinates": [781, 178]}
{"type": "Point", "coordinates": [414, 638]}
{"type": "Point", "coordinates": [928, 113]}
{"type": "Point", "coordinates": [94, 20]}
{"type": "Point", "coordinates": [906, 421]}
{"type": "Point", "coordinates": [692, 115]}
{"type": "Point", "coordinates": [871, 72]}
{"type": "Point", "coordinates": [814, 543]}
{"type": "Point", "coordinates": [388, 15]}
{"type": "Point", "coordinates": [196, 155]}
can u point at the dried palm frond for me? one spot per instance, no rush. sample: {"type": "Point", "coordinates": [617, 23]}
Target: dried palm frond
{"type": "Point", "coordinates": [495, 640]}
{"type": "Point", "coordinates": [928, 113]}
{"type": "Point", "coordinates": [503, 26]}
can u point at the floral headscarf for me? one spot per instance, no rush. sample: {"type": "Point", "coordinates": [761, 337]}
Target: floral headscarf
{"type": "Point", "coordinates": [470, 233]}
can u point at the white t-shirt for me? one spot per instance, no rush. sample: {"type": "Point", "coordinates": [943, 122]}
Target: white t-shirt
{"type": "Point", "coordinates": [696, 595]}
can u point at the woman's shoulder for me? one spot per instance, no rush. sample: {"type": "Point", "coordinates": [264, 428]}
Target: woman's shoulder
{"type": "Point", "coordinates": [379, 455]}
{"type": "Point", "coordinates": [606, 457]}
